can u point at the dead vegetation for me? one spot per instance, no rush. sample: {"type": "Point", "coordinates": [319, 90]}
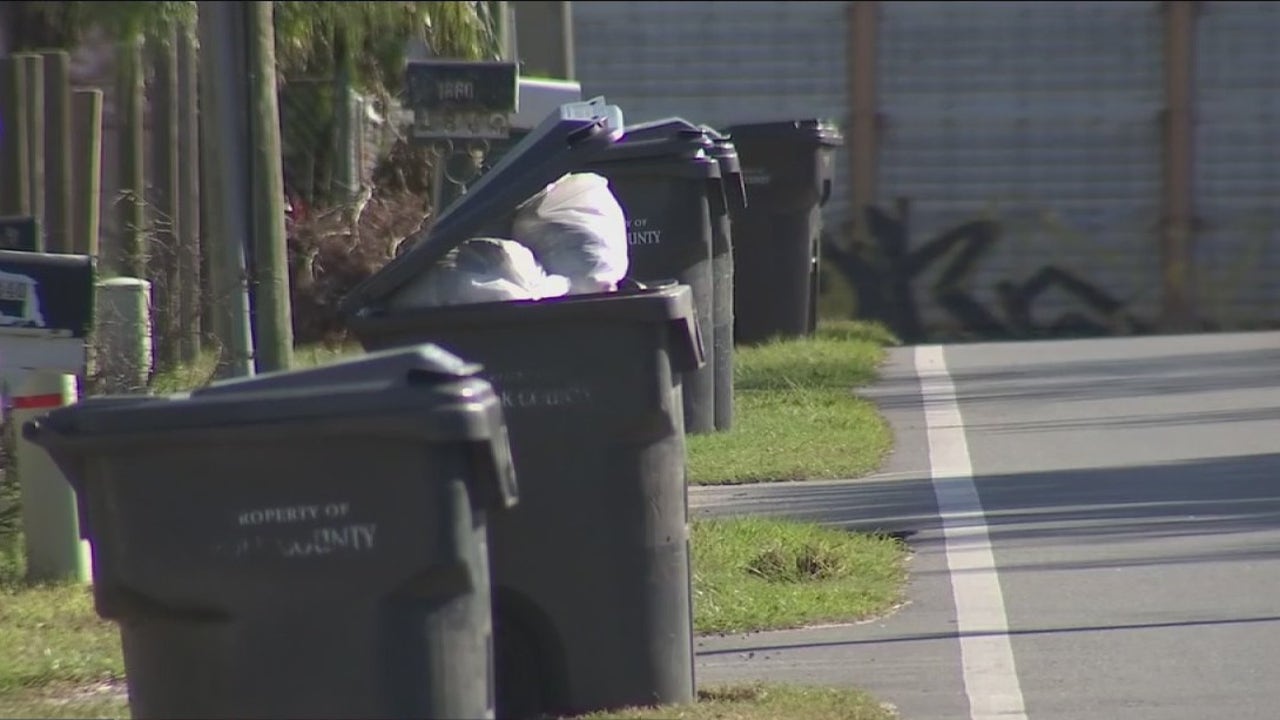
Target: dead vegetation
{"type": "Point", "coordinates": [332, 250]}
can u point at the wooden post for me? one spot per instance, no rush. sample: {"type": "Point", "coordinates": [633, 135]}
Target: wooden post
{"type": "Point", "coordinates": [505, 22]}
{"type": "Point", "coordinates": [864, 116]}
{"type": "Point", "coordinates": [211, 316]}
{"type": "Point", "coordinates": [130, 105]}
{"type": "Point", "coordinates": [188, 197]}
{"type": "Point", "coordinates": [56, 72]}
{"type": "Point", "coordinates": [274, 341]}
{"type": "Point", "coordinates": [544, 37]}
{"type": "Point", "coordinates": [15, 193]}
{"type": "Point", "coordinates": [166, 220]}
{"type": "Point", "coordinates": [33, 74]}
{"type": "Point", "coordinates": [86, 196]}
{"type": "Point", "coordinates": [346, 137]}
{"type": "Point", "coordinates": [55, 551]}
{"type": "Point", "coordinates": [225, 141]}
{"type": "Point", "coordinates": [86, 175]}
{"type": "Point", "coordinates": [1177, 241]}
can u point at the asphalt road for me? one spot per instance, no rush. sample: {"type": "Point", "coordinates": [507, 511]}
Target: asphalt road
{"type": "Point", "coordinates": [1130, 498]}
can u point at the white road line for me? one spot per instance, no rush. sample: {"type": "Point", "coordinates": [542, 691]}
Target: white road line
{"type": "Point", "coordinates": [990, 676]}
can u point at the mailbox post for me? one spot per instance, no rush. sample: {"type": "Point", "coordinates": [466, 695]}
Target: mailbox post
{"type": "Point", "coordinates": [46, 310]}
{"type": "Point", "coordinates": [459, 108]}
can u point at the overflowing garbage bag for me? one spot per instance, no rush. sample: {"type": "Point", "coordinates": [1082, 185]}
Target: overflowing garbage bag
{"type": "Point", "coordinates": [482, 270]}
{"type": "Point", "coordinates": [569, 239]}
{"type": "Point", "coordinates": [576, 228]}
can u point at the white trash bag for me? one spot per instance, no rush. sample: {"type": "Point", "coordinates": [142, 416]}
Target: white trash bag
{"type": "Point", "coordinates": [576, 228]}
{"type": "Point", "coordinates": [482, 270]}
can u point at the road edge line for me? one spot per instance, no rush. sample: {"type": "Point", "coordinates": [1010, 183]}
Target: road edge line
{"type": "Point", "coordinates": [982, 626]}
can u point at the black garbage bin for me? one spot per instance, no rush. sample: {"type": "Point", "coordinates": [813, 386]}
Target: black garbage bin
{"type": "Point", "coordinates": [592, 598]}
{"type": "Point", "coordinates": [669, 187]}
{"type": "Point", "coordinates": [307, 544]}
{"type": "Point", "coordinates": [735, 200]}
{"type": "Point", "coordinates": [788, 170]}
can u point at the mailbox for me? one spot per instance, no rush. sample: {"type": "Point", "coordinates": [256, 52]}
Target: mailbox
{"type": "Point", "coordinates": [459, 99]}
{"type": "Point", "coordinates": [46, 310]}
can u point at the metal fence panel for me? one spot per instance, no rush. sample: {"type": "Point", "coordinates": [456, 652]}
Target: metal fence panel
{"type": "Point", "coordinates": [1237, 162]}
{"type": "Point", "coordinates": [1044, 117]}
{"type": "Point", "coordinates": [719, 63]}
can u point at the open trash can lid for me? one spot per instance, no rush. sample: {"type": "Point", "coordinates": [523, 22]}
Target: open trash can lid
{"type": "Point", "coordinates": [667, 138]}
{"type": "Point", "coordinates": [663, 129]}
{"type": "Point", "coordinates": [563, 143]}
{"type": "Point", "coordinates": [820, 131]}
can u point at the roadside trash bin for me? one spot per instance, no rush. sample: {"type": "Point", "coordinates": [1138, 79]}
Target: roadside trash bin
{"type": "Point", "coordinates": [669, 185]}
{"type": "Point", "coordinates": [735, 195]}
{"type": "Point", "coordinates": [592, 593]}
{"type": "Point", "coordinates": [788, 170]}
{"type": "Point", "coordinates": [296, 545]}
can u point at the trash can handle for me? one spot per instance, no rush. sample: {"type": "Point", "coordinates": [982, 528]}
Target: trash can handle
{"type": "Point", "coordinates": [495, 487]}
{"type": "Point", "coordinates": [826, 192]}
{"type": "Point", "coordinates": [688, 352]}
{"type": "Point", "coordinates": [717, 195]}
{"type": "Point", "coordinates": [33, 429]}
{"type": "Point", "coordinates": [42, 433]}
{"type": "Point", "coordinates": [739, 193]}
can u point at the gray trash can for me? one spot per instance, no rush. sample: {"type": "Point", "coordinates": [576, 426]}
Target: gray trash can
{"type": "Point", "coordinates": [726, 196]}
{"type": "Point", "coordinates": [592, 599]}
{"type": "Point", "coordinates": [307, 544]}
{"type": "Point", "coordinates": [788, 170]}
{"type": "Point", "coordinates": [735, 200]}
{"type": "Point", "coordinates": [669, 187]}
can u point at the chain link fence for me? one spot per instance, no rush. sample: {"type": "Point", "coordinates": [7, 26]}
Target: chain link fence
{"type": "Point", "coordinates": [357, 190]}
{"type": "Point", "coordinates": [327, 152]}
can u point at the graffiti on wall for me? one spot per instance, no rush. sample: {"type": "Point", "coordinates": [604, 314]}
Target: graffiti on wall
{"type": "Point", "coordinates": [885, 272]}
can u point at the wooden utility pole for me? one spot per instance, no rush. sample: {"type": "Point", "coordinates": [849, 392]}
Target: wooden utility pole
{"type": "Point", "coordinates": [188, 196]}
{"type": "Point", "coordinates": [225, 141]}
{"type": "Point", "coordinates": [211, 317]}
{"type": "Point", "coordinates": [166, 220]}
{"type": "Point", "coordinates": [33, 73]}
{"type": "Point", "coordinates": [86, 174]}
{"type": "Point", "coordinates": [15, 193]}
{"type": "Point", "coordinates": [274, 341]}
